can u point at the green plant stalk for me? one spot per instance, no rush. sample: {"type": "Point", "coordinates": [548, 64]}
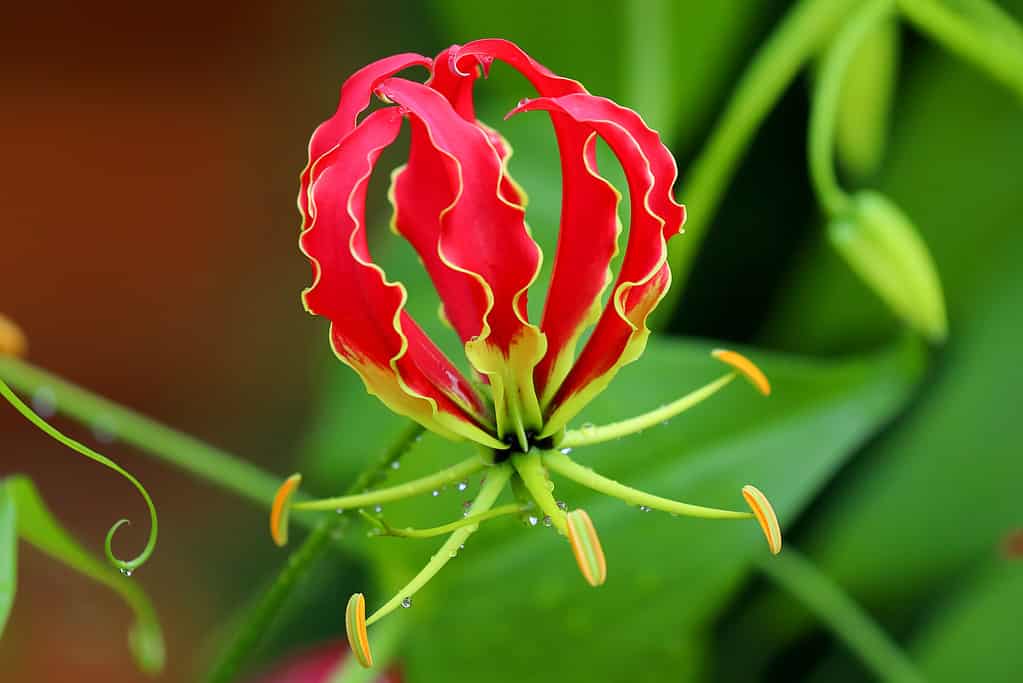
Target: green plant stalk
{"type": "Point", "coordinates": [798, 37]}
{"type": "Point", "coordinates": [647, 42]}
{"type": "Point", "coordinates": [847, 620]}
{"type": "Point", "coordinates": [826, 99]}
{"type": "Point", "coordinates": [262, 615]}
{"type": "Point", "coordinates": [992, 51]}
{"type": "Point", "coordinates": [169, 445]}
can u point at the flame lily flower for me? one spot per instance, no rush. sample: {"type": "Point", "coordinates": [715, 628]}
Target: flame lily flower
{"type": "Point", "coordinates": [459, 208]}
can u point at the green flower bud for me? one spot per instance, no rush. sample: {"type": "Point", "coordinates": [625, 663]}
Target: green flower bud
{"type": "Point", "coordinates": [883, 247]}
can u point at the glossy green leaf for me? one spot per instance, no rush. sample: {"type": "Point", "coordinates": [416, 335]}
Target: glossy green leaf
{"type": "Point", "coordinates": [8, 554]}
{"type": "Point", "coordinates": [517, 590]}
{"type": "Point", "coordinates": [38, 527]}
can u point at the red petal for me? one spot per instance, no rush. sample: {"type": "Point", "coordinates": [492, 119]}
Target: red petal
{"type": "Point", "coordinates": [369, 329]}
{"type": "Point", "coordinates": [620, 334]}
{"type": "Point", "coordinates": [473, 242]}
{"type": "Point", "coordinates": [356, 93]}
{"type": "Point", "coordinates": [588, 236]}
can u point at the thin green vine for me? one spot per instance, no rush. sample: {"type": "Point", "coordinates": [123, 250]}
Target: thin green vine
{"type": "Point", "coordinates": [126, 566]}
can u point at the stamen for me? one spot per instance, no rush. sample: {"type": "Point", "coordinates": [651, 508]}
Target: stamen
{"type": "Point", "coordinates": [355, 627]}
{"type": "Point", "coordinates": [747, 367]}
{"type": "Point", "coordinates": [415, 487]}
{"type": "Point", "coordinates": [765, 516]}
{"type": "Point", "coordinates": [531, 471]}
{"type": "Point", "coordinates": [587, 436]}
{"type": "Point", "coordinates": [491, 489]}
{"type": "Point", "coordinates": [12, 340]}
{"type": "Point", "coordinates": [565, 466]}
{"type": "Point", "coordinates": [280, 510]}
{"type": "Point", "coordinates": [386, 529]}
{"type": "Point", "coordinates": [589, 555]}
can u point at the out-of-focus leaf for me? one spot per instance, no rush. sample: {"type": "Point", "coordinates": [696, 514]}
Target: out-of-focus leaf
{"type": "Point", "coordinates": [963, 438]}
{"type": "Point", "coordinates": [974, 635]}
{"type": "Point", "coordinates": [37, 526]}
{"type": "Point", "coordinates": [936, 494]}
{"type": "Point", "coordinates": [517, 590]}
{"type": "Point", "coordinates": [8, 554]}
{"type": "Point", "coordinates": [706, 42]}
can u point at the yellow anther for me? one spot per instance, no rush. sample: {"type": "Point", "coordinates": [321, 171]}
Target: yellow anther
{"type": "Point", "coordinates": [355, 627]}
{"type": "Point", "coordinates": [764, 513]}
{"type": "Point", "coordinates": [589, 555]}
{"type": "Point", "coordinates": [745, 366]}
{"type": "Point", "coordinates": [281, 508]}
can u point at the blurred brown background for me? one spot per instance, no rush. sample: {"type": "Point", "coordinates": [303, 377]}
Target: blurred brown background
{"type": "Point", "coordinates": [149, 251]}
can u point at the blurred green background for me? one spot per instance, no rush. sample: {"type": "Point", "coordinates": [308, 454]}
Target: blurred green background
{"type": "Point", "coordinates": [149, 252]}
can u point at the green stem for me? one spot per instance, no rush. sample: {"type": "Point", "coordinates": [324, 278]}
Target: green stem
{"type": "Point", "coordinates": [262, 615]}
{"type": "Point", "coordinates": [826, 99]}
{"type": "Point", "coordinates": [847, 620]}
{"type": "Point", "coordinates": [647, 73]}
{"type": "Point", "coordinates": [532, 474]}
{"type": "Point", "coordinates": [587, 436]}
{"type": "Point", "coordinates": [491, 489]}
{"type": "Point", "coordinates": [568, 468]}
{"type": "Point", "coordinates": [124, 565]}
{"type": "Point", "coordinates": [800, 34]}
{"type": "Point", "coordinates": [171, 446]}
{"type": "Point", "coordinates": [994, 51]}
{"type": "Point", "coordinates": [408, 532]}
{"type": "Point", "coordinates": [401, 491]}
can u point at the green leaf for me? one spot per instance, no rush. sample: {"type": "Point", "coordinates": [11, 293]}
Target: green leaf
{"type": "Point", "coordinates": [37, 526]}
{"type": "Point", "coordinates": [940, 490]}
{"type": "Point", "coordinates": [8, 554]}
{"type": "Point", "coordinates": [985, 607]}
{"type": "Point", "coordinates": [516, 591]}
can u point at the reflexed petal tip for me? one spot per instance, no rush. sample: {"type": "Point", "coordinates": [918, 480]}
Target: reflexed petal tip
{"type": "Point", "coordinates": [281, 508]}
{"type": "Point", "coordinates": [745, 366]}
{"type": "Point", "coordinates": [764, 513]}
{"type": "Point", "coordinates": [589, 554]}
{"type": "Point", "coordinates": [12, 339]}
{"type": "Point", "coordinates": [355, 627]}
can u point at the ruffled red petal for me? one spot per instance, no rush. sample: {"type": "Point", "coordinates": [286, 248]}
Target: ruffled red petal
{"type": "Point", "coordinates": [473, 242]}
{"type": "Point", "coordinates": [370, 331]}
{"type": "Point", "coordinates": [621, 333]}
{"type": "Point", "coordinates": [589, 230]}
{"type": "Point", "coordinates": [356, 93]}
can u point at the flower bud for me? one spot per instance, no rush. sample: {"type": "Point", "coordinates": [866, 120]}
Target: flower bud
{"type": "Point", "coordinates": [883, 247]}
